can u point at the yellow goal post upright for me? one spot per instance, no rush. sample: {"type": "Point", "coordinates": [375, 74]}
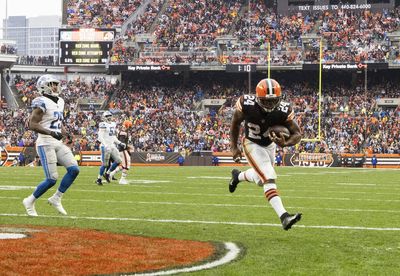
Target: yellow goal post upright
{"type": "Point", "coordinates": [319, 137]}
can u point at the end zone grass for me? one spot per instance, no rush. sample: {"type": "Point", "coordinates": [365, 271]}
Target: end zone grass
{"type": "Point", "coordinates": [350, 221]}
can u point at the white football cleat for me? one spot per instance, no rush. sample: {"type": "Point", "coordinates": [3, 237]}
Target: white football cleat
{"type": "Point", "coordinates": [123, 181]}
{"type": "Point", "coordinates": [56, 203]}
{"type": "Point", "coordinates": [29, 207]}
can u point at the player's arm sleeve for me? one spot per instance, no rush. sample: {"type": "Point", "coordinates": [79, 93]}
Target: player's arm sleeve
{"type": "Point", "coordinates": [239, 104]}
{"type": "Point", "coordinates": [39, 103]}
{"type": "Point", "coordinates": [290, 114]}
{"type": "Point", "coordinates": [35, 119]}
{"type": "Point", "coordinates": [295, 131]}
{"type": "Point", "coordinates": [102, 133]}
{"type": "Point", "coordinates": [237, 119]}
{"type": "Point", "coordinates": [116, 141]}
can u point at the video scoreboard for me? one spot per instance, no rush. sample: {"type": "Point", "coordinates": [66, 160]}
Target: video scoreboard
{"type": "Point", "coordinates": [85, 46]}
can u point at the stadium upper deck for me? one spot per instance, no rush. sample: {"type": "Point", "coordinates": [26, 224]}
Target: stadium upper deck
{"type": "Point", "coordinates": [220, 32]}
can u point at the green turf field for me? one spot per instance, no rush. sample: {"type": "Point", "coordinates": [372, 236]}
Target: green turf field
{"type": "Point", "coordinates": [350, 225]}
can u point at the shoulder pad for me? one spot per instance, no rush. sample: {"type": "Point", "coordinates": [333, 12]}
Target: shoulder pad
{"type": "Point", "coordinates": [39, 103]}
{"type": "Point", "coordinates": [239, 103]}
{"type": "Point", "coordinates": [286, 108]}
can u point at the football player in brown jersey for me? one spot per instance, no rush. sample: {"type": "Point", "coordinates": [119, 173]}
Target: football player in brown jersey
{"type": "Point", "coordinates": [125, 153]}
{"type": "Point", "coordinates": [259, 112]}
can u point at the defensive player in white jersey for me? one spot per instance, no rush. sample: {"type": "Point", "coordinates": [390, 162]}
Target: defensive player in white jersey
{"type": "Point", "coordinates": [109, 142]}
{"type": "Point", "coordinates": [46, 120]}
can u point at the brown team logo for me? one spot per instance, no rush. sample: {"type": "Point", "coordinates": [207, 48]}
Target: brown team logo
{"type": "Point", "coordinates": [312, 159]}
{"type": "Point", "coordinates": [35, 250]}
{"type": "Point", "coordinates": [4, 156]}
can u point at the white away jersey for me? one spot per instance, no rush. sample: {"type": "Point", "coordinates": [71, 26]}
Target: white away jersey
{"type": "Point", "coordinates": [107, 134]}
{"type": "Point", "coordinates": [51, 120]}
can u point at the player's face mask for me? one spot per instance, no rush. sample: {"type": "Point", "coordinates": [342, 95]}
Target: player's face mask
{"type": "Point", "coordinates": [268, 104]}
{"type": "Point", "coordinates": [108, 119]}
{"type": "Point", "coordinates": [107, 115]}
{"type": "Point", "coordinates": [49, 85]}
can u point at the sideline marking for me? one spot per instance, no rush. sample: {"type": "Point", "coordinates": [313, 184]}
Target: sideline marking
{"type": "Point", "coordinates": [12, 236]}
{"type": "Point", "coordinates": [15, 188]}
{"type": "Point", "coordinates": [232, 254]}
{"type": "Point", "coordinates": [147, 181]}
{"type": "Point", "coordinates": [355, 184]}
{"type": "Point", "coordinates": [208, 177]}
{"type": "Point", "coordinates": [211, 222]}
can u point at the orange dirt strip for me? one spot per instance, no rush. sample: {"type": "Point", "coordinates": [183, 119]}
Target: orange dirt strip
{"type": "Point", "coordinates": [60, 251]}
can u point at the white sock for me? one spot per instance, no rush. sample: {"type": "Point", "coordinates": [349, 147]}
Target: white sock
{"type": "Point", "coordinates": [274, 199]}
{"type": "Point", "coordinates": [58, 194]}
{"type": "Point", "coordinates": [250, 175]}
{"type": "Point", "coordinates": [115, 171]}
{"type": "Point", "coordinates": [31, 198]}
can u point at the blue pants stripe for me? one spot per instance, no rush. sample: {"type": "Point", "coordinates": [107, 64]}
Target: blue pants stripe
{"type": "Point", "coordinates": [43, 158]}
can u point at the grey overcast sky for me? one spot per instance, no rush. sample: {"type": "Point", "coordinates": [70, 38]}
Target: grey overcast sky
{"type": "Point", "coordinates": [30, 8]}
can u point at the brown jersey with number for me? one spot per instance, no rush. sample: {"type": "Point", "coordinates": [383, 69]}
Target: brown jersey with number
{"type": "Point", "coordinates": [257, 120]}
{"type": "Point", "coordinates": [123, 137]}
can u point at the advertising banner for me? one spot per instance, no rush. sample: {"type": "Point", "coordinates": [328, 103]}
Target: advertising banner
{"type": "Point", "coordinates": [155, 157]}
{"type": "Point", "coordinates": [148, 68]}
{"type": "Point", "coordinates": [345, 66]}
{"type": "Point", "coordinates": [93, 158]}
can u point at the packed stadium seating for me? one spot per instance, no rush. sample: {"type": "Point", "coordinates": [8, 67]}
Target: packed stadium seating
{"type": "Point", "coordinates": [183, 31]}
{"type": "Point", "coordinates": [166, 114]}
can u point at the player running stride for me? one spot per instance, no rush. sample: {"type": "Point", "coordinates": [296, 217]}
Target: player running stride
{"type": "Point", "coordinates": [109, 143]}
{"type": "Point", "coordinates": [46, 120]}
{"type": "Point", "coordinates": [259, 113]}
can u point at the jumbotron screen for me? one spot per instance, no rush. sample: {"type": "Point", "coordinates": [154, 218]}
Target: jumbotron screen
{"type": "Point", "coordinates": [85, 46]}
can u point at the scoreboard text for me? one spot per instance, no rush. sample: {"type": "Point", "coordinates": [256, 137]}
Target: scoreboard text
{"type": "Point", "coordinates": [85, 46]}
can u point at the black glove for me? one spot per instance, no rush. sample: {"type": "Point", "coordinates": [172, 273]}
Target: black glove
{"type": "Point", "coordinates": [121, 147]}
{"type": "Point", "coordinates": [56, 135]}
{"type": "Point", "coordinates": [70, 138]}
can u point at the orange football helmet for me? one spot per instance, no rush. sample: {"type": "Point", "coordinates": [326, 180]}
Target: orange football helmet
{"type": "Point", "coordinates": [127, 124]}
{"type": "Point", "coordinates": [268, 94]}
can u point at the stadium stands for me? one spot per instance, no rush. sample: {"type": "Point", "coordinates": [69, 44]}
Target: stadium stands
{"type": "Point", "coordinates": [165, 114]}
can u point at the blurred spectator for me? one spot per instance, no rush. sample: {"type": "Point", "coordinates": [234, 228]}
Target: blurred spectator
{"type": "Point", "coordinates": [181, 160]}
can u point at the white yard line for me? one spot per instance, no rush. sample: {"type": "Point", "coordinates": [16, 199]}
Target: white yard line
{"type": "Point", "coordinates": [345, 227]}
{"type": "Point", "coordinates": [241, 196]}
{"type": "Point", "coordinates": [216, 205]}
{"type": "Point", "coordinates": [232, 253]}
{"type": "Point", "coordinates": [355, 184]}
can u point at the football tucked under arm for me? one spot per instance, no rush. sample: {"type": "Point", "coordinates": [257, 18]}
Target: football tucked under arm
{"type": "Point", "coordinates": [277, 129]}
{"type": "Point", "coordinates": [288, 135]}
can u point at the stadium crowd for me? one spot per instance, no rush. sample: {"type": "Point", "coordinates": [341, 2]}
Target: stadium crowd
{"type": "Point", "coordinates": [8, 49]}
{"type": "Point", "coordinates": [189, 28]}
{"type": "Point", "coordinates": [100, 13]}
{"type": "Point", "coordinates": [185, 32]}
{"type": "Point", "coordinates": [167, 117]}
{"type": "Point", "coordinates": [38, 60]}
